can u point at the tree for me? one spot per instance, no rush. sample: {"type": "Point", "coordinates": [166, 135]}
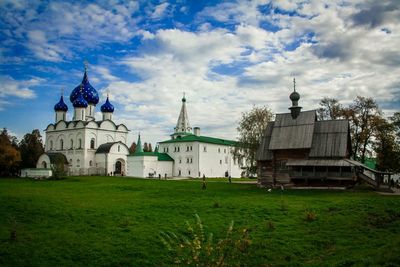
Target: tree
{"type": "Point", "coordinates": [251, 129]}
{"type": "Point", "coordinates": [132, 148]}
{"type": "Point", "coordinates": [10, 157]}
{"type": "Point", "coordinates": [31, 147]}
{"type": "Point", "coordinates": [386, 148]}
{"type": "Point", "coordinates": [150, 148]}
{"type": "Point", "coordinates": [362, 114]}
{"type": "Point", "coordinates": [395, 119]}
{"type": "Point", "coordinates": [145, 147]}
{"type": "Point", "coordinates": [59, 166]}
{"type": "Point", "coordinates": [330, 109]}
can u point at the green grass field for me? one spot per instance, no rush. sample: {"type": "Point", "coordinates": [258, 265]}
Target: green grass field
{"type": "Point", "coordinates": [110, 221]}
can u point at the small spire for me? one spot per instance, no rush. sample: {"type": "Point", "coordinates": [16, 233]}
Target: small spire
{"type": "Point", "coordinates": [182, 126]}
{"type": "Point", "coordinates": [294, 84]}
{"type": "Point", "coordinates": [295, 97]}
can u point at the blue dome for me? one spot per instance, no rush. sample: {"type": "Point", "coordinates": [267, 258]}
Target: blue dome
{"type": "Point", "coordinates": [80, 102]}
{"type": "Point", "coordinates": [89, 93]}
{"type": "Point", "coordinates": [107, 107]}
{"type": "Point", "coordinates": [61, 106]}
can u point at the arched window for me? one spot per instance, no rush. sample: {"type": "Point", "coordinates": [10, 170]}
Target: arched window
{"type": "Point", "coordinates": [118, 148]}
{"type": "Point", "coordinates": [51, 144]}
{"type": "Point", "coordinates": [80, 143]}
{"type": "Point", "coordinates": [92, 143]}
{"type": "Point", "coordinates": [90, 163]}
{"type": "Point", "coordinates": [44, 165]}
{"type": "Point", "coordinates": [72, 144]}
{"type": "Point", "coordinates": [61, 144]}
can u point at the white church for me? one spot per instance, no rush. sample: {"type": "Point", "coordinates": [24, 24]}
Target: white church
{"type": "Point", "coordinates": [87, 146]}
{"type": "Point", "coordinates": [186, 154]}
{"type": "Point", "coordinates": [90, 147]}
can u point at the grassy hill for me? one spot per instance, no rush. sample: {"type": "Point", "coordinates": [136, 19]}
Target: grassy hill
{"type": "Point", "coordinates": [110, 221]}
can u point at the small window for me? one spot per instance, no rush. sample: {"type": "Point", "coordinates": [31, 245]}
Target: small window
{"type": "Point", "coordinates": [119, 148]}
{"type": "Point", "coordinates": [205, 149]}
{"type": "Point", "coordinates": [90, 163]}
{"type": "Point", "coordinates": [179, 149]}
{"type": "Point", "coordinates": [72, 144]}
{"type": "Point", "coordinates": [191, 160]}
{"type": "Point", "coordinates": [92, 143]}
{"type": "Point", "coordinates": [191, 148]}
{"type": "Point", "coordinates": [51, 145]}
{"type": "Point", "coordinates": [174, 149]}
{"type": "Point", "coordinates": [225, 150]}
{"type": "Point", "coordinates": [219, 150]}
{"type": "Point", "coordinates": [187, 148]}
{"type": "Point", "coordinates": [179, 173]}
{"type": "Point", "coordinates": [78, 163]}
{"type": "Point", "coordinates": [61, 144]}
{"type": "Point", "coordinates": [189, 172]}
{"type": "Point", "coordinates": [220, 161]}
{"type": "Point", "coordinates": [226, 159]}
{"type": "Point", "coordinates": [80, 143]}
{"type": "Point", "coordinates": [187, 160]}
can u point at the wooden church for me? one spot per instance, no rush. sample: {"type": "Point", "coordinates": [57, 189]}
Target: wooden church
{"type": "Point", "coordinates": [297, 149]}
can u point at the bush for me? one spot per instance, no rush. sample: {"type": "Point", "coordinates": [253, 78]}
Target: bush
{"type": "Point", "coordinates": [310, 216]}
{"type": "Point", "coordinates": [197, 249]}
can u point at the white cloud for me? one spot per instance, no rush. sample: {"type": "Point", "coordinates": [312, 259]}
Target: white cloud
{"type": "Point", "coordinates": [59, 30]}
{"type": "Point", "coordinates": [336, 60]}
{"type": "Point", "coordinates": [333, 49]}
{"type": "Point", "coordinates": [159, 10]}
{"type": "Point", "coordinates": [104, 73]}
{"type": "Point", "coordinates": [38, 44]}
{"type": "Point", "coordinates": [16, 89]}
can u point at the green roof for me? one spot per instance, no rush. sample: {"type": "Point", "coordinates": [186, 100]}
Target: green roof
{"type": "Point", "coordinates": [161, 156]}
{"type": "Point", "coordinates": [201, 139]}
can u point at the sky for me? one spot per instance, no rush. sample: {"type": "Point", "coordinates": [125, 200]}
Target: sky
{"type": "Point", "coordinates": [227, 56]}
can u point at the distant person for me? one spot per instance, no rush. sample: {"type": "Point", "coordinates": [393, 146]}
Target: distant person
{"type": "Point", "coordinates": [204, 183]}
{"type": "Point", "coordinates": [229, 178]}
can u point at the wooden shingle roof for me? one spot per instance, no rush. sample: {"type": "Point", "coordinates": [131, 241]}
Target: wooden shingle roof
{"type": "Point", "coordinates": [324, 139]}
{"type": "Point", "coordinates": [263, 153]}
{"type": "Point", "coordinates": [289, 133]}
{"type": "Point", "coordinates": [330, 139]}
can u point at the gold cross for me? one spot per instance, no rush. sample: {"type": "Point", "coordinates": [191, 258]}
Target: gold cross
{"type": "Point", "coordinates": [86, 63]}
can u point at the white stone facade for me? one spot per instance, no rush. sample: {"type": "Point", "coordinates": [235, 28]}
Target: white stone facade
{"type": "Point", "coordinates": [90, 147]}
{"type": "Point", "coordinates": [191, 155]}
{"type": "Point", "coordinates": [79, 141]}
{"type": "Point", "coordinates": [195, 159]}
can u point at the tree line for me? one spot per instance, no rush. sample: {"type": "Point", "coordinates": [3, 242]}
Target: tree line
{"type": "Point", "coordinates": [16, 155]}
{"type": "Point", "coordinates": [146, 147]}
{"type": "Point", "coordinates": [372, 134]}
